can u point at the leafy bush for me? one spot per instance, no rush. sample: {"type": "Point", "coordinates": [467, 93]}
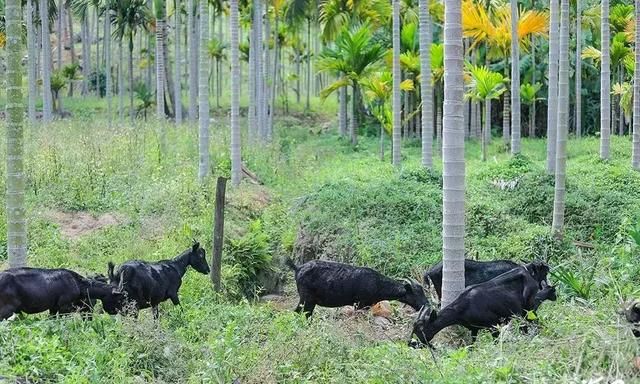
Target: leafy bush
{"type": "Point", "coordinates": [95, 78]}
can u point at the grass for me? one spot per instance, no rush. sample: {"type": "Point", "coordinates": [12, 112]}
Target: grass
{"type": "Point", "coordinates": [366, 212]}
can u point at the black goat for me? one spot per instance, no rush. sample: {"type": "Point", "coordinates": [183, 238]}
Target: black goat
{"type": "Point", "coordinates": [34, 290]}
{"type": "Point", "coordinates": [331, 284]}
{"type": "Point", "coordinates": [148, 284]}
{"type": "Point", "coordinates": [488, 304]}
{"type": "Point", "coordinates": [632, 314]}
{"type": "Point", "coordinates": [475, 272]}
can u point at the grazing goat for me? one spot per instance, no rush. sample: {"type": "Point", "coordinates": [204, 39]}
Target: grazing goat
{"type": "Point", "coordinates": [488, 304]}
{"type": "Point", "coordinates": [148, 284]}
{"type": "Point", "coordinates": [331, 284]}
{"type": "Point", "coordinates": [475, 272]}
{"type": "Point", "coordinates": [34, 290]}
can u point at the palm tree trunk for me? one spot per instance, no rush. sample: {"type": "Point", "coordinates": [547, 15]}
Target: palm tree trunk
{"type": "Point", "coordinates": [203, 107]}
{"type": "Point", "coordinates": [276, 67]}
{"type": "Point", "coordinates": [193, 61]}
{"type": "Point", "coordinates": [268, 85]}
{"type": "Point", "coordinates": [251, 118]}
{"type": "Point", "coordinates": [397, 123]}
{"type": "Point", "coordinates": [298, 74]}
{"type": "Point", "coordinates": [107, 59]}
{"type": "Point", "coordinates": [177, 86]}
{"type": "Point", "coordinates": [342, 116]}
{"type": "Point", "coordinates": [605, 83]}
{"type": "Point", "coordinates": [506, 118]}
{"type": "Point", "coordinates": [354, 114]}
{"type": "Point", "coordinates": [15, 179]}
{"type": "Point", "coordinates": [453, 157]}
{"type": "Point", "coordinates": [620, 111]}
{"type": "Point", "coordinates": [59, 34]}
{"type": "Point", "coordinates": [169, 102]}
{"type": "Point", "coordinates": [120, 81]}
{"type": "Point", "coordinates": [259, 77]}
{"type": "Point", "coordinates": [578, 70]}
{"type": "Point", "coordinates": [635, 148]}
{"type": "Point", "coordinates": [132, 111]}
{"type": "Point", "coordinates": [86, 54]}
{"type": "Point", "coordinates": [236, 160]}
{"type": "Point", "coordinates": [439, 125]}
{"type": "Point", "coordinates": [98, 93]}
{"type": "Point", "coordinates": [426, 90]}
{"type": "Point", "coordinates": [160, 61]}
{"type": "Point", "coordinates": [31, 63]}
{"type": "Point", "coordinates": [515, 81]}
{"type": "Point", "coordinates": [72, 45]}
{"type": "Point", "coordinates": [532, 107]}
{"type": "Point", "coordinates": [486, 132]}
{"type": "Point", "coordinates": [552, 97]}
{"type": "Point", "coordinates": [47, 99]}
{"type": "Point", "coordinates": [308, 104]}
{"type": "Point", "coordinates": [563, 122]}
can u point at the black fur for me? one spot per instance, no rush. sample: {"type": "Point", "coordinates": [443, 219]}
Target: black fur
{"type": "Point", "coordinates": [148, 284]}
{"type": "Point", "coordinates": [331, 284]}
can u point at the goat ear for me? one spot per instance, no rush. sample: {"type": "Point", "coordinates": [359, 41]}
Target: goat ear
{"type": "Point", "coordinates": [196, 245]}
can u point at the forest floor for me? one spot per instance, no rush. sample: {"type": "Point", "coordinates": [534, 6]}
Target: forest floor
{"type": "Point", "coordinates": [97, 194]}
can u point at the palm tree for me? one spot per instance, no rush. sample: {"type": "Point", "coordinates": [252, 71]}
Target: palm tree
{"type": "Point", "coordinates": [485, 86]}
{"type": "Point", "coordinates": [605, 84]}
{"type": "Point", "coordinates": [203, 91]}
{"type": "Point", "coordinates": [47, 99]}
{"type": "Point", "coordinates": [635, 157]}
{"type": "Point", "coordinates": [453, 157]}
{"type": "Point", "coordinates": [563, 122]}
{"type": "Point", "coordinates": [16, 218]}
{"type": "Point", "coordinates": [192, 22]}
{"type": "Point", "coordinates": [31, 63]}
{"type": "Point", "coordinates": [397, 79]}
{"type": "Point", "coordinates": [552, 97]}
{"type": "Point", "coordinates": [578, 68]}
{"type": "Point", "coordinates": [528, 94]}
{"type": "Point", "coordinates": [426, 90]}
{"type": "Point", "coordinates": [216, 55]}
{"type": "Point", "coordinates": [130, 16]}
{"type": "Point", "coordinates": [515, 81]}
{"type": "Point", "coordinates": [159, 7]}
{"type": "Point", "coordinates": [494, 28]}
{"type": "Point", "coordinates": [177, 83]}
{"type": "Point", "coordinates": [354, 57]}
{"type": "Point", "coordinates": [107, 54]}
{"type": "Point", "coordinates": [236, 159]}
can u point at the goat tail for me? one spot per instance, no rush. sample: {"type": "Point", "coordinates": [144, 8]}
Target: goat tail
{"type": "Point", "coordinates": [291, 264]}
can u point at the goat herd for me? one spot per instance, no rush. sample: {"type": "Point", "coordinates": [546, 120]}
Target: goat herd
{"type": "Point", "coordinates": [495, 290]}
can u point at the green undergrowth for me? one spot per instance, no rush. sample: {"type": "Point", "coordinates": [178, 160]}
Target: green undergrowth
{"type": "Point", "coordinates": [320, 198]}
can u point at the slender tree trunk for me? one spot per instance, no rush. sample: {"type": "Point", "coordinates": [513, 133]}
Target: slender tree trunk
{"type": "Point", "coordinates": [98, 93]}
{"type": "Point", "coordinates": [298, 75]}
{"type": "Point", "coordinates": [268, 84]}
{"type": "Point", "coordinates": [635, 153]}
{"type": "Point", "coordinates": [203, 169]}
{"type": "Point", "coordinates": [160, 61]}
{"type": "Point", "coordinates": [251, 118]}
{"type": "Point", "coordinates": [120, 81]}
{"type": "Point", "coordinates": [506, 117]}
{"type": "Point", "coordinates": [168, 79]}
{"type": "Point", "coordinates": [72, 43]}
{"type": "Point", "coordinates": [59, 34]}
{"type": "Point", "coordinates": [177, 86]}
{"type": "Point", "coordinates": [342, 116]}
{"type": "Point", "coordinates": [47, 99]}
{"type": "Point", "coordinates": [515, 81]}
{"type": "Point", "coordinates": [308, 104]}
{"type": "Point", "coordinates": [453, 169]}
{"type": "Point", "coordinates": [132, 111]}
{"type": "Point", "coordinates": [605, 83]}
{"type": "Point", "coordinates": [86, 54]}
{"type": "Point", "coordinates": [426, 90]}
{"type": "Point", "coordinates": [397, 79]}
{"type": "Point", "coordinates": [563, 122]}
{"type": "Point", "coordinates": [218, 232]}
{"type": "Point", "coordinates": [532, 107]}
{"type": "Point", "coordinates": [259, 84]}
{"type": "Point", "coordinates": [578, 68]}
{"type": "Point", "coordinates": [193, 61]}
{"type": "Point", "coordinates": [31, 63]}
{"type": "Point", "coordinates": [15, 178]}
{"type": "Point", "coordinates": [236, 160]}
{"type": "Point", "coordinates": [354, 114]}
{"type": "Point", "coordinates": [486, 132]}
{"type": "Point", "coordinates": [439, 107]}
{"type": "Point", "coordinates": [620, 111]}
{"type": "Point", "coordinates": [276, 67]}
{"type": "Point", "coordinates": [552, 98]}
{"type": "Point", "coordinates": [107, 51]}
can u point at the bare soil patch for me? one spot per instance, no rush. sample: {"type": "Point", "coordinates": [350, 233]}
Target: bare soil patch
{"type": "Point", "coordinates": [74, 225]}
